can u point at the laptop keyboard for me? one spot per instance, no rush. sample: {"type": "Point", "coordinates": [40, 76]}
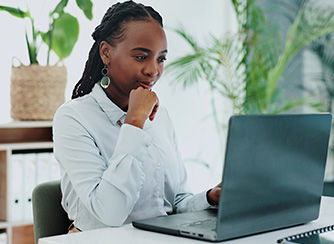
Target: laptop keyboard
{"type": "Point", "coordinates": [208, 224]}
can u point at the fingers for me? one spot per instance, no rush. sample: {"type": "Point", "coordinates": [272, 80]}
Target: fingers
{"type": "Point", "coordinates": [155, 109]}
{"type": "Point", "coordinates": [216, 191]}
{"type": "Point", "coordinates": [154, 101]}
{"type": "Point", "coordinates": [143, 104]}
{"type": "Point", "coordinates": [214, 194]}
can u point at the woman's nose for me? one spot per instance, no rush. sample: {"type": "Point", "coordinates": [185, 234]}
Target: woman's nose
{"type": "Point", "coordinates": [151, 69]}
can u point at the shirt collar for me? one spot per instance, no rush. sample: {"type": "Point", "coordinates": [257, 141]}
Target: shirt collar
{"type": "Point", "coordinates": [113, 112]}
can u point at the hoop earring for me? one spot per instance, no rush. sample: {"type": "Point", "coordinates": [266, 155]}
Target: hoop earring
{"type": "Point", "coordinates": [105, 81]}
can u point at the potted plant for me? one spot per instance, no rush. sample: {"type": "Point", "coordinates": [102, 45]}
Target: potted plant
{"type": "Point", "coordinates": [37, 91]}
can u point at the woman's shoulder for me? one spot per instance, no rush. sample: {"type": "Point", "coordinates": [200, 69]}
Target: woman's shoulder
{"type": "Point", "coordinates": [75, 109]}
{"type": "Point", "coordinates": [84, 103]}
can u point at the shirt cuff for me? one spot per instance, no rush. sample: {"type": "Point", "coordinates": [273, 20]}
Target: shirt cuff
{"type": "Point", "coordinates": [201, 201]}
{"type": "Point", "coordinates": [134, 141]}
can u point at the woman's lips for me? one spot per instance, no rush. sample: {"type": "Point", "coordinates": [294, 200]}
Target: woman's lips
{"type": "Point", "coordinates": [146, 85]}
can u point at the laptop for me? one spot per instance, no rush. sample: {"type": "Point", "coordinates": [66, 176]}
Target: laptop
{"type": "Point", "coordinates": [272, 178]}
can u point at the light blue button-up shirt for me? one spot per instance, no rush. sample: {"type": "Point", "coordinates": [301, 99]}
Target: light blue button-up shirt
{"type": "Point", "coordinates": [113, 173]}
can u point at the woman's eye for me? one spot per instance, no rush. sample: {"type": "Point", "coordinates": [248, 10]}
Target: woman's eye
{"type": "Point", "coordinates": [162, 59]}
{"type": "Point", "coordinates": [140, 58]}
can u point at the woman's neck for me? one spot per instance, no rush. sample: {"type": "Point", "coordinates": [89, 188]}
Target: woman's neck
{"type": "Point", "coordinates": [120, 100]}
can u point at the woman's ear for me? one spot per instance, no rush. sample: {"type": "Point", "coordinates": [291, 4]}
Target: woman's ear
{"type": "Point", "coordinates": [105, 52]}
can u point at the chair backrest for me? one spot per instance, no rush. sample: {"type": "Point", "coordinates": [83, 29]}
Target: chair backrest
{"type": "Point", "coordinates": [49, 216]}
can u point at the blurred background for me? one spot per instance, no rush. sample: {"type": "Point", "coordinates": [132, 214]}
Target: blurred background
{"type": "Point", "coordinates": [224, 57]}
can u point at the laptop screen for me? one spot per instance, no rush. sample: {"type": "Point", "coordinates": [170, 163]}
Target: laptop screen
{"type": "Point", "coordinates": [279, 163]}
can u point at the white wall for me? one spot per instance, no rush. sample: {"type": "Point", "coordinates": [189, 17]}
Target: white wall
{"type": "Point", "coordinates": [190, 109]}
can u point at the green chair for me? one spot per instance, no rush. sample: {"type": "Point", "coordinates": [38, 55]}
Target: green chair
{"type": "Point", "coordinates": [49, 216]}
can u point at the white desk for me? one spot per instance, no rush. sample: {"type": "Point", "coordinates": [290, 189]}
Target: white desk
{"type": "Point", "coordinates": [128, 234]}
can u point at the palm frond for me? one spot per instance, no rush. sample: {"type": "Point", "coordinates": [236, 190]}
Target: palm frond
{"type": "Point", "coordinates": [246, 67]}
{"type": "Point", "coordinates": [188, 38]}
{"type": "Point", "coordinates": [311, 23]}
{"type": "Point", "coordinates": [187, 69]}
{"type": "Point", "coordinates": [293, 103]}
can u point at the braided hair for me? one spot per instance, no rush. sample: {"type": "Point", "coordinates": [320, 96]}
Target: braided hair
{"type": "Point", "coordinates": [110, 30]}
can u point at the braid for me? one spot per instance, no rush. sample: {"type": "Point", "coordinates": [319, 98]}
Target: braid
{"type": "Point", "coordinates": [111, 30]}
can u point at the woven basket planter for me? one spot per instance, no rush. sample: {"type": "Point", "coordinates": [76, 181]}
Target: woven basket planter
{"type": "Point", "coordinates": [37, 91]}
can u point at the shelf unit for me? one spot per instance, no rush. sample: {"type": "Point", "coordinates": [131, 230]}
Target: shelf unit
{"type": "Point", "coordinates": [18, 137]}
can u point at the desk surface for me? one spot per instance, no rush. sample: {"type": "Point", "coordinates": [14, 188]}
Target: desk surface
{"type": "Point", "coordinates": [129, 234]}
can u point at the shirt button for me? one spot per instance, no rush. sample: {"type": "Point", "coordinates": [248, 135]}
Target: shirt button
{"type": "Point", "coordinates": [158, 164]}
{"type": "Point", "coordinates": [119, 122]}
{"type": "Point", "coordinates": [160, 194]}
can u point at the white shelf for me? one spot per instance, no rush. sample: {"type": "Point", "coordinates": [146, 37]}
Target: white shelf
{"type": "Point", "coordinates": [3, 224]}
{"type": "Point", "coordinates": [26, 146]}
{"type": "Point", "coordinates": [26, 124]}
{"type": "Point", "coordinates": [19, 137]}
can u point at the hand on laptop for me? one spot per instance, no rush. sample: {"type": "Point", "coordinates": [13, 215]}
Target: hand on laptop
{"type": "Point", "coordinates": [213, 195]}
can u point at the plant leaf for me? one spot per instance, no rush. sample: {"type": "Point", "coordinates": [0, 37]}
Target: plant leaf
{"type": "Point", "coordinates": [188, 38]}
{"type": "Point", "coordinates": [32, 51]}
{"type": "Point", "coordinates": [299, 102]}
{"type": "Point", "coordinates": [86, 7]}
{"type": "Point", "coordinates": [60, 7]}
{"type": "Point", "coordinates": [64, 36]}
{"type": "Point", "coordinates": [310, 24]}
{"type": "Point", "coordinates": [14, 11]}
{"type": "Point", "coordinates": [45, 36]}
{"type": "Point", "coordinates": [189, 68]}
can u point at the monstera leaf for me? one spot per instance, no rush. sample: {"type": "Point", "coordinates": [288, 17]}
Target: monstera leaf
{"type": "Point", "coordinates": [86, 7]}
{"type": "Point", "coordinates": [64, 36]}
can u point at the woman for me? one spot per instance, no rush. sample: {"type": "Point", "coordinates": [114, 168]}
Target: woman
{"type": "Point", "coordinates": [115, 145]}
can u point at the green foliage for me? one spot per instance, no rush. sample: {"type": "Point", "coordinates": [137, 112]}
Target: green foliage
{"type": "Point", "coordinates": [323, 48]}
{"type": "Point", "coordinates": [64, 35]}
{"type": "Point", "coordinates": [216, 64]}
{"type": "Point", "coordinates": [86, 7]}
{"type": "Point", "coordinates": [14, 11]}
{"type": "Point", "coordinates": [63, 29]}
{"type": "Point", "coordinates": [310, 24]}
{"type": "Point", "coordinates": [246, 67]}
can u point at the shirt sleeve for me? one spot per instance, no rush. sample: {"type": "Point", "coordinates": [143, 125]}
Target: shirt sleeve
{"type": "Point", "coordinates": [97, 183]}
{"type": "Point", "coordinates": [184, 200]}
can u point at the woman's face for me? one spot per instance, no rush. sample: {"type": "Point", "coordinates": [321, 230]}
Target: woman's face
{"type": "Point", "coordinates": [136, 60]}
